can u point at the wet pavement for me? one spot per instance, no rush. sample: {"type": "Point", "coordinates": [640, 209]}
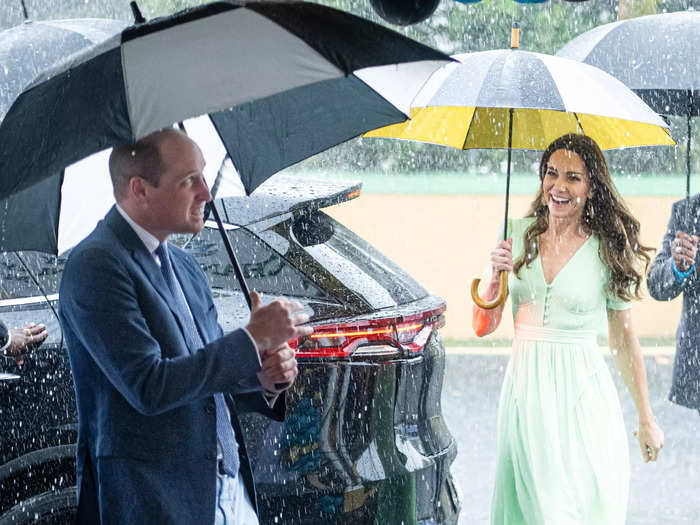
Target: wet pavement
{"type": "Point", "coordinates": [665, 493]}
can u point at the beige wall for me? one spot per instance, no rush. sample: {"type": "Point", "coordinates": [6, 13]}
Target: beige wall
{"type": "Point", "coordinates": [444, 241]}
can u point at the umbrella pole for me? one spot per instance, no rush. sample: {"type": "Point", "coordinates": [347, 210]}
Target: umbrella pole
{"type": "Point", "coordinates": [503, 278]}
{"type": "Point", "coordinates": [687, 165]}
{"type": "Point", "coordinates": [687, 162]}
{"type": "Point", "coordinates": [510, 145]}
{"type": "Point", "coordinates": [227, 242]}
{"type": "Point", "coordinates": [231, 254]}
{"type": "Point", "coordinates": [236, 268]}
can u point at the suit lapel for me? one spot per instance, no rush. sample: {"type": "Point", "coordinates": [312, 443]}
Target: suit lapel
{"type": "Point", "coordinates": [193, 295]}
{"type": "Point", "coordinates": [133, 244]}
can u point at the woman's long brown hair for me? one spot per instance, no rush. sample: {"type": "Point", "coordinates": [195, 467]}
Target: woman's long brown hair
{"type": "Point", "coordinates": [605, 215]}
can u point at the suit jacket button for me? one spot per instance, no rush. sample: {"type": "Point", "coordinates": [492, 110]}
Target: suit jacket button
{"type": "Point", "coordinates": [210, 408]}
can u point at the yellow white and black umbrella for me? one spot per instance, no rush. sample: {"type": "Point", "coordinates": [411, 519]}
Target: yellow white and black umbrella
{"type": "Point", "coordinates": [516, 99]}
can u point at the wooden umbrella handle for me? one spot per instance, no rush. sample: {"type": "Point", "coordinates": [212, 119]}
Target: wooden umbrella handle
{"type": "Point", "coordinates": [500, 298]}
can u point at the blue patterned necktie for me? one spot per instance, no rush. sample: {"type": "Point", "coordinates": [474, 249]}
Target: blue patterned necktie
{"type": "Point", "coordinates": [224, 430]}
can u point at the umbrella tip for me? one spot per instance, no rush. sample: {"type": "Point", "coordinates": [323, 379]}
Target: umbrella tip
{"type": "Point", "coordinates": [24, 11]}
{"type": "Point", "coordinates": [515, 36]}
{"type": "Point", "coordinates": [138, 17]}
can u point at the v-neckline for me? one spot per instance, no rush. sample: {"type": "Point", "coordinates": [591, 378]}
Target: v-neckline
{"type": "Point", "coordinates": [573, 256]}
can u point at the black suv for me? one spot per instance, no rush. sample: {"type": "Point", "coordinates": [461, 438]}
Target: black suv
{"type": "Point", "coordinates": [364, 440]}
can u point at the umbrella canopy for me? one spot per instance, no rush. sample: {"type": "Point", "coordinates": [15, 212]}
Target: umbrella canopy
{"type": "Point", "coordinates": [25, 52]}
{"type": "Point", "coordinates": [278, 82]}
{"type": "Point", "coordinates": [466, 105]}
{"type": "Point", "coordinates": [656, 56]}
{"type": "Point", "coordinates": [32, 47]}
{"type": "Point", "coordinates": [296, 74]}
{"type": "Point", "coordinates": [520, 100]}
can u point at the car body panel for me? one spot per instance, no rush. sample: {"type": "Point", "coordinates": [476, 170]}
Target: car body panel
{"type": "Point", "coordinates": [364, 440]}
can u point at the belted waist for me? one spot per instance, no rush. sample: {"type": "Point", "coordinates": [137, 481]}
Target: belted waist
{"type": "Point", "coordinates": [554, 335]}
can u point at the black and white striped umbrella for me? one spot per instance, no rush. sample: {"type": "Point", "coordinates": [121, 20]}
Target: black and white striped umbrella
{"type": "Point", "coordinates": [32, 47]}
{"type": "Point", "coordinates": [280, 82]}
{"type": "Point", "coordinates": [26, 51]}
{"type": "Point", "coordinates": [655, 55]}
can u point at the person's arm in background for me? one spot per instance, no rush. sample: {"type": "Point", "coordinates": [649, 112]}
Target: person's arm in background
{"type": "Point", "coordinates": [486, 321]}
{"type": "Point", "coordinates": [673, 268]}
{"type": "Point", "coordinates": [15, 342]}
{"type": "Point", "coordinates": [627, 355]}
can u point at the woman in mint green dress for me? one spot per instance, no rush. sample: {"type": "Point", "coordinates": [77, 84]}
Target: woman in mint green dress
{"type": "Point", "coordinates": [562, 445]}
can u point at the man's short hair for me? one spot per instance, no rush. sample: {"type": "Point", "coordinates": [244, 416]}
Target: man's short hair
{"type": "Point", "coordinates": [141, 159]}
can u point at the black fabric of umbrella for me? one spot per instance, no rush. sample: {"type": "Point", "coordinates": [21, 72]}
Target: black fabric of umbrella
{"type": "Point", "coordinates": [656, 56]}
{"type": "Point", "coordinates": [279, 82]}
{"type": "Point", "coordinates": [26, 51]}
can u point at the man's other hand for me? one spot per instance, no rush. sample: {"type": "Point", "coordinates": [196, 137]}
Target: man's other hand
{"type": "Point", "coordinates": [23, 339]}
{"type": "Point", "coordinates": [279, 367]}
{"type": "Point", "coordinates": [273, 325]}
{"type": "Point", "coordinates": [684, 248]}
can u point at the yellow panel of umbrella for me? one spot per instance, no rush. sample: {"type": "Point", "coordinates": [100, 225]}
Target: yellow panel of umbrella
{"type": "Point", "coordinates": [533, 129]}
{"type": "Point", "coordinates": [512, 99]}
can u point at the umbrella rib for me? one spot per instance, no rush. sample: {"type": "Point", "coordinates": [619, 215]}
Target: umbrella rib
{"type": "Point", "coordinates": [579, 123]}
{"type": "Point", "coordinates": [469, 129]}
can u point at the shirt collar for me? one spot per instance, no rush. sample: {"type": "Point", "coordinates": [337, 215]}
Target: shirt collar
{"type": "Point", "coordinates": [149, 240]}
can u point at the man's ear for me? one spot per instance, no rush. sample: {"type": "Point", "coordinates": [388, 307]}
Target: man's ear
{"type": "Point", "coordinates": [138, 189]}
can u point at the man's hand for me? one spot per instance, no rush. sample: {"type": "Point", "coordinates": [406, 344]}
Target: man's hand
{"type": "Point", "coordinates": [684, 248]}
{"type": "Point", "coordinates": [23, 339]}
{"type": "Point", "coordinates": [279, 367]}
{"type": "Point", "coordinates": [273, 325]}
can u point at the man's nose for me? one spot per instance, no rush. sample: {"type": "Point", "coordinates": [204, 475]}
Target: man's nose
{"type": "Point", "coordinates": [204, 192]}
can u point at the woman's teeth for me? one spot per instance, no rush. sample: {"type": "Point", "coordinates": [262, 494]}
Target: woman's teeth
{"type": "Point", "coordinates": [560, 201]}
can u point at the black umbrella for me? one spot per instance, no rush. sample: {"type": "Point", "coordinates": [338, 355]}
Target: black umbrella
{"type": "Point", "coordinates": [278, 82]}
{"type": "Point", "coordinates": [296, 74]}
{"type": "Point", "coordinates": [25, 51]}
{"type": "Point", "coordinates": [656, 56]}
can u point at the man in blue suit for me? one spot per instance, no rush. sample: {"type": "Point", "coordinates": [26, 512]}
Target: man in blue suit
{"type": "Point", "coordinates": [158, 438]}
{"type": "Point", "coordinates": [675, 272]}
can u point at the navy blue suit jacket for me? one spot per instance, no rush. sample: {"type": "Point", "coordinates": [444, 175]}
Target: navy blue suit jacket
{"type": "Point", "coordinates": [146, 449]}
{"type": "Point", "coordinates": [662, 285]}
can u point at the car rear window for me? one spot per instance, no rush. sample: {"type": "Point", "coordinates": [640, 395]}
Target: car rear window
{"type": "Point", "coordinates": [355, 265]}
{"type": "Point", "coordinates": [398, 284]}
{"type": "Point", "coordinates": [29, 274]}
{"type": "Point", "coordinates": [264, 269]}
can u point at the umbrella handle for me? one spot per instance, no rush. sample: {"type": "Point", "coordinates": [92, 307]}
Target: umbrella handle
{"type": "Point", "coordinates": [500, 298]}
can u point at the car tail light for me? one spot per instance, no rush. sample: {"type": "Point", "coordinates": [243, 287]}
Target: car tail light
{"type": "Point", "coordinates": [393, 336]}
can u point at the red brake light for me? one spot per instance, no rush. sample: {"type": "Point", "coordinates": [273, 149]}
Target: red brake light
{"type": "Point", "coordinates": [390, 336]}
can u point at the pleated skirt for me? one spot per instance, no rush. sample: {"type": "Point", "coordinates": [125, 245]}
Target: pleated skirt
{"type": "Point", "coordinates": [562, 454]}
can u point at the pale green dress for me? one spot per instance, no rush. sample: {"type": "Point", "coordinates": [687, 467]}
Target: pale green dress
{"type": "Point", "coordinates": [562, 448]}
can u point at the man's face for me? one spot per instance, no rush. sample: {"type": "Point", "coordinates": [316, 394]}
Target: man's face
{"type": "Point", "coordinates": [176, 205]}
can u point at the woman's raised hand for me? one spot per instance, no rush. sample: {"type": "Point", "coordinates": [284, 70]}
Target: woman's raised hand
{"type": "Point", "coordinates": [501, 258]}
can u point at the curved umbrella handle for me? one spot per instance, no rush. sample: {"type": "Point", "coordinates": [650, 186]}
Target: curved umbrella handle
{"type": "Point", "coordinates": [500, 298]}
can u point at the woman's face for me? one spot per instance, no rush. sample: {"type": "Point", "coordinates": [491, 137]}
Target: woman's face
{"type": "Point", "coordinates": [566, 185]}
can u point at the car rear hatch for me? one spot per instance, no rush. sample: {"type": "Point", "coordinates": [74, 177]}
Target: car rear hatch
{"type": "Point", "coordinates": [365, 411]}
